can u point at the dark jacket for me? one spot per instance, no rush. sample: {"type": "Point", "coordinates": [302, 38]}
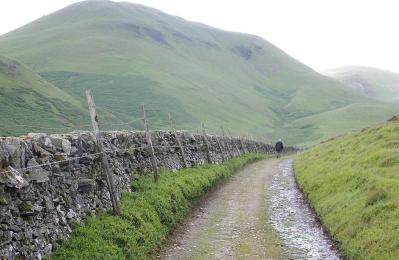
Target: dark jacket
{"type": "Point", "coordinates": [279, 146]}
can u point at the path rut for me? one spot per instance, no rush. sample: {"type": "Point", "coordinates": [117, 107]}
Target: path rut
{"type": "Point", "coordinates": [240, 220]}
{"type": "Point", "coordinates": [302, 235]}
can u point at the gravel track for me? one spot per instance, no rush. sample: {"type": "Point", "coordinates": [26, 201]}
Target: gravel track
{"type": "Point", "coordinates": [302, 235]}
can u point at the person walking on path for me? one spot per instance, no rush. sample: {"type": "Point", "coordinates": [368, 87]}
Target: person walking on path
{"type": "Point", "coordinates": [279, 147]}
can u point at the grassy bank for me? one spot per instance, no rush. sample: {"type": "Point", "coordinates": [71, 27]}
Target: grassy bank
{"type": "Point", "coordinates": [352, 182]}
{"type": "Point", "coordinates": [148, 214]}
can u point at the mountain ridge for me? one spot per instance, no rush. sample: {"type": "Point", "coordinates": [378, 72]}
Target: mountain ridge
{"type": "Point", "coordinates": [130, 54]}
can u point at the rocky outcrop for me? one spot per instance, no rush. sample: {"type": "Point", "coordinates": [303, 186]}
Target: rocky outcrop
{"type": "Point", "coordinates": [47, 182]}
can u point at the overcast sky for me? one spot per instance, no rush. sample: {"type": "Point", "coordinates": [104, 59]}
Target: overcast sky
{"type": "Point", "coordinates": [320, 33]}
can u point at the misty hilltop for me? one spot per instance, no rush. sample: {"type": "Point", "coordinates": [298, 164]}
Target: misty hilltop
{"type": "Point", "coordinates": [375, 83]}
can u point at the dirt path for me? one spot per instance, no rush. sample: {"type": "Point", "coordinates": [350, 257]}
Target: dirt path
{"type": "Point", "coordinates": [235, 221]}
{"type": "Point", "coordinates": [231, 223]}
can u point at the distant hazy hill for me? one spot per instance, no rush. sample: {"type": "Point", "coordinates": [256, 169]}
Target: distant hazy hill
{"type": "Point", "coordinates": [130, 54]}
{"type": "Point", "coordinates": [29, 103]}
{"type": "Point", "coordinates": [375, 83]}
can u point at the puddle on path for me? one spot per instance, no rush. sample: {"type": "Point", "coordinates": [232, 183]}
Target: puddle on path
{"type": "Point", "coordinates": [301, 233]}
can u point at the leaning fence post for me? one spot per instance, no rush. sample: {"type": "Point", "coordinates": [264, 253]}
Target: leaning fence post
{"type": "Point", "coordinates": [253, 144]}
{"type": "Point", "coordinates": [204, 137]}
{"type": "Point", "coordinates": [224, 142]}
{"type": "Point", "coordinates": [242, 145]}
{"type": "Point", "coordinates": [234, 143]}
{"type": "Point", "coordinates": [149, 144]}
{"type": "Point", "coordinates": [220, 148]}
{"type": "Point", "coordinates": [183, 154]}
{"type": "Point", "coordinates": [256, 146]}
{"type": "Point", "coordinates": [104, 159]}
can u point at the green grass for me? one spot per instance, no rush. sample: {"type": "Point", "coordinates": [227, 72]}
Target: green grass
{"type": "Point", "coordinates": [26, 98]}
{"type": "Point", "coordinates": [129, 54]}
{"type": "Point", "coordinates": [149, 214]}
{"type": "Point", "coordinates": [131, 91]}
{"type": "Point", "coordinates": [352, 182]}
{"type": "Point", "coordinates": [342, 120]}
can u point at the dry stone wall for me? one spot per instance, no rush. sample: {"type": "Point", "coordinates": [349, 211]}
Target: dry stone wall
{"type": "Point", "coordinates": [47, 182]}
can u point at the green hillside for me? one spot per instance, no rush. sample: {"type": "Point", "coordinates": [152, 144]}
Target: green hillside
{"type": "Point", "coordinates": [30, 104]}
{"type": "Point", "coordinates": [375, 83]}
{"type": "Point", "coordinates": [342, 120]}
{"type": "Point", "coordinates": [129, 54]}
{"type": "Point", "coordinates": [352, 182]}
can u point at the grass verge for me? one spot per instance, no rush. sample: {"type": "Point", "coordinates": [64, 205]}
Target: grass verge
{"type": "Point", "coordinates": [148, 214]}
{"type": "Point", "coordinates": [352, 183]}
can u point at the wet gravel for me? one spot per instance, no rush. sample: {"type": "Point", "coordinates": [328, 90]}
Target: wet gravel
{"type": "Point", "coordinates": [289, 213]}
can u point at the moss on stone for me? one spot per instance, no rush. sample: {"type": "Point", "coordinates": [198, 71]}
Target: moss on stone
{"type": "Point", "coordinates": [3, 200]}
{"type": "Point", "coordinates": [61, 159]}
{"type": "Point", "coordinates": [25, 207]}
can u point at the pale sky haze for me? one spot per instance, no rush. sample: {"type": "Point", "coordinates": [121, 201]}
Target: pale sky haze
{"type": "Point", "coordinates": [322, 34]}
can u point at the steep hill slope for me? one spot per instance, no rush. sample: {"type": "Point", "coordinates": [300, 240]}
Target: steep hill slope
{"type": "Point", "coordinates": [30, 104]}
{"type": "Point", "coordinates": [352, 184]}
{"type": "Point", "coordinates": [130, 54]}
{"type": "Point", "coordinates": [375, 83]}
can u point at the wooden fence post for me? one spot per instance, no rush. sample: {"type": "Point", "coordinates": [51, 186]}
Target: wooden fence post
{"type": "Point", "coordinates": [104, 160]}
{"type": "Point", "coordinates": [183, 154]}
{"type": "Point", "coordinates": [223, 133]}
{"type": "Point", "coordinates": [149, 144]}
{"type": "Point", "coordinates": [256, 146]}
{"type": "Point", "coordinates": [253, 144]}
{"type": "Point", "coordinates": [224, 143]}
{"type": "Point", "coordinates": [204, 137]}
{"type": "Point", "coordinates": [234, 143]}
{"type": "Point", "coordinates": [220, 148]}
{"type": "Point", "coordinates": [242, 145]}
